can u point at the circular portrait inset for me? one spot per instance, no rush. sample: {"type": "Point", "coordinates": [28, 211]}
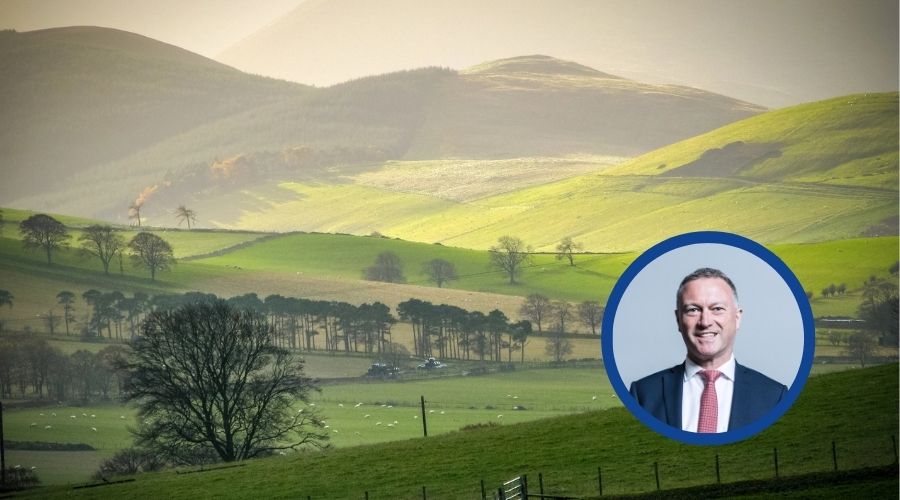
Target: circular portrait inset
{"type": "Point", "coordinates": [708, 338]}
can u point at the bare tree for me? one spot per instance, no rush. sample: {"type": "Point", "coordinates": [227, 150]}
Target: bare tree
{"type": "Point", "coordinates": [510, 255]}
{"type": "Point", "coordinates": [66, 299]}
{"type": "Point", "coordinates": [6, 298]}
{"type": "Point", "coordinates": [134, 212]}
{"type": "Point", "coordinates": [440, 271]}
{"type": "Point", "coordinates": [43, 231]}
{"type": "Point", "coordinates": [535, 308]}
{"type": "Point", "coordinates": [861, 346]}
{"type": "Point", "coordinates": [51, 320]}
{"type": "Point", "coordinates": [558, 347]}
{"type": "Point", "coordinates": [185, 214]}
{"type": "Point", "coordinates": [102, 242]}
{"type": "Point", "coordinates": [387, 268]}
{"type": "Point", "coordinates": [151, 251]}
{"type": "Point", "coordinates": [562, 313]}
{"type": "Point", "coordinates": [210, 384]}
{"type": "Point", "coordinates": [567, 249]}
{"type": "Point", "coordinates": [590, 313]}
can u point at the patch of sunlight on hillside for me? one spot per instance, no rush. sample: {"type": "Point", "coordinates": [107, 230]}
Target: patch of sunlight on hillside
{"type": "Point", "coordinates": [467, 180]}
{"type": "Point", "coordinates": [339, 208]}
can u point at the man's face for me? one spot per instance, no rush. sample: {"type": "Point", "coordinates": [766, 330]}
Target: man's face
{"type": "Point", "coordinates": [708, 318]}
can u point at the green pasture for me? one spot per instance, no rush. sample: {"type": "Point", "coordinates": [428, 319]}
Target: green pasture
{"type": "Point", "coordinates": [331, 266]}
{"type": "Point", "coordinates": [833, 175]}
{"type": "Point", "coordinates": [69, 425]}
{"type": "Point", "coordinates": [856, 410]}
{"type": "Point", "coordinates": [848, 140]}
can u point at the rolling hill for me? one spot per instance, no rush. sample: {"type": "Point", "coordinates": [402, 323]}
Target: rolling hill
{"type": "Point", "coordinates": [814, 172]}
{"type": "Point", "coordinates": [767, 52]}
{"type": "Point", "coordinates": [98, 118]}
{"type": "Point", "coordinates": [76, 97]}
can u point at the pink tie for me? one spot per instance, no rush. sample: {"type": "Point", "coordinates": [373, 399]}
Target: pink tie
{"type": "Point", "coordinates": [709, 403]}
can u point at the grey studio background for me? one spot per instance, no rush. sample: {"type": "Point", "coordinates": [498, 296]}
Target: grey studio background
{"type": "Point", "coordinates": [645, 334]}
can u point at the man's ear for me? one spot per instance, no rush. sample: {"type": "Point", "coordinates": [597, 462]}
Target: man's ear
{"type": "Point", "coordinates": [740, 313]}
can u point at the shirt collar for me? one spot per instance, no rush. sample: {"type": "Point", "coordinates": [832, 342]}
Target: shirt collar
{"type": "Point", "coordinates": [727, 369]}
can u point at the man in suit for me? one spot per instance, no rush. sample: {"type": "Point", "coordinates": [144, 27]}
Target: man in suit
{"type": "Point", "coordinates": [710, 391]}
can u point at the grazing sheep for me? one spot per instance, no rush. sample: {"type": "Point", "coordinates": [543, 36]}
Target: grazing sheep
{"type": "Point", "coordinates": [594, 398]}
{"type": "Point", "coordinates": [377, 423]}
{"type": "Point", "coordinates": [48, 427]}
{"type": "Point", "coordinates": [341, 405]}
{"type": "Point", "coordinates": [94, 429]}
{"type": "Point", "coordinates": [33, 424]}
{"type": "Point", "coordinates": [366, 415]}
{"type": "Point", "coordinates": [499, 416]}
{"type": "Point", "coordinates": [53, 414]}
{"type": "Point", "coordinates": [358, 405]}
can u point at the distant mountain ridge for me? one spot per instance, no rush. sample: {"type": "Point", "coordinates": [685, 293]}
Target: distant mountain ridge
{"type": "Point", "coordinates": [96, 116]}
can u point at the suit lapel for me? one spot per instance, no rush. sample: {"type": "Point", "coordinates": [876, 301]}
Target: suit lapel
{"type": "Point", "coordinates": [673, 381]}
{"type": "Point", "coordinates": [740, 398]}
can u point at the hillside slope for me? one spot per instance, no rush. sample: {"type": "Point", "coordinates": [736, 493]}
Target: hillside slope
{"type": "Point", "coordinates": [77, 97]}
{"type": "Point", "coordinates": [815, 172]}
{"type": "Point", "coordinates": [97, 116]}
{"type": "Point", "coordinates": [567, 451]}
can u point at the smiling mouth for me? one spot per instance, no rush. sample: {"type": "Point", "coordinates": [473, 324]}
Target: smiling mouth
{"type": "Point", "coordinates": [706, 335]}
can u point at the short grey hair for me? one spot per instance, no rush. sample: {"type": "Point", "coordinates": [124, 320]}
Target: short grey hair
{"type": "Point", "coordinates": [704, 272]}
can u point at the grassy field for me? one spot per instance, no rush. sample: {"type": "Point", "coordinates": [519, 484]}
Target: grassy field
{"type": "Point", "coordinates": [357, 413]}
{"type": "Point", "coordinates": [329, 267]}
{"type": "Point", "coordinates": [567, 450]}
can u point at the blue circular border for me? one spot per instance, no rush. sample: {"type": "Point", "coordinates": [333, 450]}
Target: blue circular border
{"type": "Point", "coordinates": [733, 240]}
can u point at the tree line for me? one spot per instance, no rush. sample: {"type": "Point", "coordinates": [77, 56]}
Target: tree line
{"type": "Point", "coordinates": [32, 367]}
{"type": "Point", "coordinates": [147, 250]}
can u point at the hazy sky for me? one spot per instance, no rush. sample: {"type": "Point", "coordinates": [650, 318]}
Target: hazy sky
{"type": "Point", "coordinates": [770, 52]}
{"type": "Point", "coordinates": [203, 26]}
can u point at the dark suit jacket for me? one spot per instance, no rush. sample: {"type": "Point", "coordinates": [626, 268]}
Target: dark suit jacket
{"type": "Point", "coordinates": [754, 395]}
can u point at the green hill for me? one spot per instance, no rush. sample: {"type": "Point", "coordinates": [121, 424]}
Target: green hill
{"type": "Point", "coordinates": [330, 266]}
{"type": "Point", "coordinates": [96, 116]}
{"type": "Point", "coordinates": [815, 172]}
{"type": "Point", "coordinates": [855, 410]}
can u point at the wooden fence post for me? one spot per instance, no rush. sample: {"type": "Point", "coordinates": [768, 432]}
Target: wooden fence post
{"type": "Point", "coordinates": [834, 454]}
{"type": "Point", "coordinates": [424, 423]}
{"type": "Point", "coordinates": [718, 476]}
{"type": "Point", "coordinates": [600, 480]}
{"type": "Point", "coordinates": [775, 452]}
{"type": "Point", "coordinates": [541, 482]}
{"type": "Point", "coordinates": [894, 441]}
{"type": "Point", "coordinates": [483, 493]}
{"type": "Point", "coordinates": [656, 473]}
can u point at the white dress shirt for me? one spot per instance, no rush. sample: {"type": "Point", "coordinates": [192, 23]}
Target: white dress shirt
{"type": "Point", "coordinates": [692, 389]}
